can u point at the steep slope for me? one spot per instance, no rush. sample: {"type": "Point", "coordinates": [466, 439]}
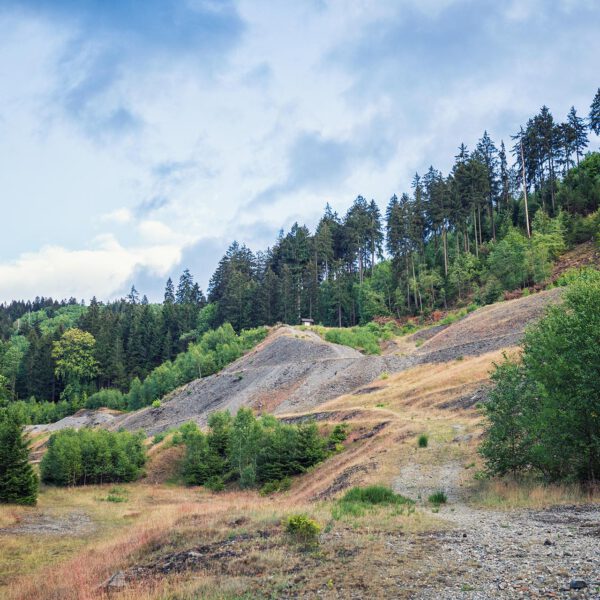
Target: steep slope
{"type": "Point", "coordinates": [294, 371]}
{"type": "Point", "coordinates": [291, 371]}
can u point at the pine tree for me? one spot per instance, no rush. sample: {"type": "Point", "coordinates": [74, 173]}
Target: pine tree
{"type": "Point", "coordinates": [595, 114]}
{"type": "Point", "coordinates": [18, 482]}
{"type": "Point", "coordinates": [169, 292]}
{"type": "Point", "coordinates": [577, 126]}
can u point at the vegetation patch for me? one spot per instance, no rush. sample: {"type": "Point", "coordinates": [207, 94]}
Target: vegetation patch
{"type": "Point", "coordinates": [358, 500]}
{"type": "Point", "coordinates": [438, 498]}
{"type": "Point", "coordinates": [303, 529]}
{"type": "Point", "coordinates": [254, 451]}
{"type": "Point", "coordinates": [90, 456]}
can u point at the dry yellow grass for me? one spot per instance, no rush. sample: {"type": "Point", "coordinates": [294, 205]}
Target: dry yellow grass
{"type": "Point", "coordinates": [509, 494]}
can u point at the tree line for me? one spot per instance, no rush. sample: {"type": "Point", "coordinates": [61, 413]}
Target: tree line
{"type": "Point", "coordinates": [468, 235]}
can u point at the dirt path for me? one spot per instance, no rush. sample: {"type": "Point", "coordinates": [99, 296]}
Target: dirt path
{"type": "Point", "coordinates": [495, 554]}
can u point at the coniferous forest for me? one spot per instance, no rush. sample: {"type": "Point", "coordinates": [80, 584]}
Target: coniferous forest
{"type": "Point", "coordinates": [494, 223]}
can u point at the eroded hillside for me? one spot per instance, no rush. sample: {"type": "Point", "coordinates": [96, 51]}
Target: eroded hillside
{"type": "Point", "coordinates": [295, 371]}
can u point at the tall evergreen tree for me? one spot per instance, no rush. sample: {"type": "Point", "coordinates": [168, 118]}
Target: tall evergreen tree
{"type": "Point", "coordinates": [595, 114]}
{"type": "Point", "coordinates": [18, 482]}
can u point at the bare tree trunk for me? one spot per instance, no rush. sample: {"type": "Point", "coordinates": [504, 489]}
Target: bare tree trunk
{"type": "Point", "coordinates": [525, 189]}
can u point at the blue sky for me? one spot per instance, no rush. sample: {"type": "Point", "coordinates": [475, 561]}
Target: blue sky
{"type": "Point", "coordinates": [140, 138]}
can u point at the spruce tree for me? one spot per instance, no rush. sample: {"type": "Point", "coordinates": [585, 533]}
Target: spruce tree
{"type": "Point", "coordinates": [18, 482]}
{"type": "Point", "coordinates": [577, 126]}
{"type": "Point", "coordinates": [595, 114]}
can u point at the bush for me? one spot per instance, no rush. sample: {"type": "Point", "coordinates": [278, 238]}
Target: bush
{"type": "Point", "coordinates": [156, 404]}
{"type": "Point", "coordinates": [543, 412]}
{"type": "Point", "coordinates": [110, 398]}
{"type": "Point", "coordinates": [337, 436]}
{"type": "Point", "coordinates": [581, 275]}
{"type": "Point", "coordinates": [438, 498]}
{"type": "Point", "coordinates": [302, 529]}
{"type": "Point", "coordinates": [91, 456]}
{"type": "Point", "coordinates": [215, 483]}
{"type": "Point", "coordinates": [423, 441]}
{"type": "Point", "coordinates": [274, 487]}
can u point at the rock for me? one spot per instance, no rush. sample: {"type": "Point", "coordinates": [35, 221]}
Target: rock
{"type": "Point", "coordinates": [115, 582]}
{"type": "Point", "coordinates": [577, 584]}
{"type": "Point", "coordinates": [548, 543]}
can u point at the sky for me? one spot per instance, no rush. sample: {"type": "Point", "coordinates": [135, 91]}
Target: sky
{"type": "Point", "coordinates": [139, 138]}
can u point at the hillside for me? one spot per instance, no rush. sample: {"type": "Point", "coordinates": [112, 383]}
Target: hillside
{"type": "Point", "coordinates": [535, 540]}
{"type": "Point", "coordinates": [295, 371]}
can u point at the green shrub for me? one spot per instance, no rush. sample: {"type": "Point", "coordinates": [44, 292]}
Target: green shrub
{"type": "Point", "coordinates": [358, 500]}
{"type": "Point", "coordinates": [543, 410]}
{"type": "Point", "coordinates": [302, 529]}
{"type": "Point", "coordinates": [109, 398]}
{"type": "Point", "coordinates": [156, 404]}
{"type": "Point", "coordinates": [581, 275]}
{"type": "Point", "coordinates": [215, 483]}
{"type": "Point", "coordinates": [116, 498]}
{"type": "Point", "coordinates": [374, 495]}
{"type": "Point", "coordinates": [158, 438]}
{"type": "Point", "coordinates": [423, 441]}
{"type": "Point", "coordinates": [337, 436]}
{"type": "Point", "coordinates": [91, 456]}
{"type": "Point", "coordinates": [274, 487]}
{"type": "Point", "coordinates": [438, 498]}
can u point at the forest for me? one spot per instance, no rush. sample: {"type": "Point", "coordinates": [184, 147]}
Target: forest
{"type": "Point", "coordinates": [492, 224]}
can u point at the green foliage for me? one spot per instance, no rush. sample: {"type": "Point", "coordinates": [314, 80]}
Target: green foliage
{"type": "Point", "coordinates": [92, 456]}
{"type": "Point", "coordinates": [303, 529]}
{"type": "Point", "coordinates": [579, 275]}
{"type": "Point", "coordinates": [156, 404]}
{"type": "Point", "coordinates": [374, 495]}
{"type": "Point", "coordinates": [215, 350]}
{"type": "Point", "coordinates": [250, 450]}
{"type": "Point", "coordinates": [423, 441]}
{"type": "Point", "coordinates": [438, 498]}
{"type": "Point", "coordinates": [107, 397]}
{"type": "Point", "coordinates": [74, 356]}
{"type": "Point", "coordinates": [543, 412]}
{"type": "Point", "coordinates": [18, 482]}
{"type": "Point", "coordinates": [274, 487]}
{"type": "Point", "coordinates": [358, 500]}
{"type": "Point", "coordinates": [337, 436]}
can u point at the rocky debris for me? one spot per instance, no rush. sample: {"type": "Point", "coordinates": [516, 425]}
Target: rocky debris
{"type": "Point", "coordinates": [578, 584]}
{"type": "Point", "coordinates": [335, 415]}
{"type": "Point", "coordinates": [221, 557]}
{"type": "Point", "coordinates": [344, 480]}
{"type": "Point", "coordinates": [498, 554]}
{"type": "Point", "coordinates": [373, 432]}
{"type": "Point", "coordinates": [82, 418]}
{"type": "Point", "coordinates": [72, 524]}
{"type": "Point", "coordinates": [478, 396]}
{"type": "Point", "coordinates": [292, 371]}
{"type": "Point", "coordinates": [487, 329]}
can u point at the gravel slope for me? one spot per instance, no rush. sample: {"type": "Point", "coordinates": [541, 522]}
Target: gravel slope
{"type": "Point", "coordinates": [296, 371]}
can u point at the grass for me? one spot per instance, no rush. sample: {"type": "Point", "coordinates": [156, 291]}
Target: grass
{"type": "Point", "coordinates": [438, 498]}
{"type": "Point", "coordinates": [358, 500]}
{"type": "Point", "coordinates": [507, 494]}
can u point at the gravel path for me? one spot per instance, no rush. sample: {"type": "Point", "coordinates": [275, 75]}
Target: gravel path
{"type": "Point", "coordinates": [495, 554]}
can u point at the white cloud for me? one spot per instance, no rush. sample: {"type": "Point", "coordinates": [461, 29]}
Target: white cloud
{"type": "Point", "coordinates": [106, 268]}
{"type": "Point", "coordinates": [121, 216]}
